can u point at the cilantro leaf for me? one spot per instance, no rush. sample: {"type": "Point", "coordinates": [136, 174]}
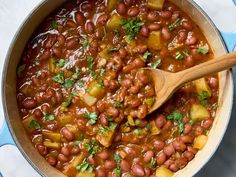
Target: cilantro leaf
{"type": "Point", "coordinates": [59, 78]}
{"type": "Point", "coordinates": [92, 147]}
{"type": "Point", "coordinates": [48, 117]}
{"type": "Point", "coordinates": [34, 124]}
{"type": "Point", "coordinates": [85, 42]}
{"type": "Point", "coordinates": [80, 83]}
{"type": "Point", "coordinates": [84, 166]}
{"type": "Point", "coordinates": [146, 55]}
{"type": "Point", "coordinates": [68, 83]}
{"type": "Point", "coordinates": [54, 25]}
{"type": "Point", "coordinates": [118, 104]}
{"type": "Point", "coordinates": [156, 64]}
{"type": "Point", "coordinates": [177, 117]}
{"type": "Point", "coordinates": [179, 56]}
{"type": "Point", "coordinates": [61, 63]}
{"type": "Point", "coordinates": [133, 26]}
{"type": "Point", "coordinates": [79, 140]}
{"type": "Point", "coordinates": [92, 117]}
{"type": "Point", "coordinates": [152, 163]}
{"type": "Point", "coordinates": [175, 24]}
{"type": "Point", "coordinates": [202, 51]}
{"type": "Point", "coordinates": [203, 98]}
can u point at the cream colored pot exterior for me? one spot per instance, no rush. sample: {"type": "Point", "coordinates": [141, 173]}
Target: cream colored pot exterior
{"type": "Point", "coordinates": [9, 89]}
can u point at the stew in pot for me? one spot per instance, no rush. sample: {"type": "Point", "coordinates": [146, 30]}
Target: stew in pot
{"type": "Point", "coordinates": [84, 100]}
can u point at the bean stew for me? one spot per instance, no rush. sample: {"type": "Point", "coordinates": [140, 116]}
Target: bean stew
{"type": "Point", "coordinates": [84, 101]}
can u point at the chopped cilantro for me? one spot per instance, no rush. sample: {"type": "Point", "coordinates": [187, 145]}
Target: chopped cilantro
{"type": "Point", "coordinates": [118, 104]}
{"type": "Point", "coordinates": [92, 147]}
{"type": "Point", "coordinates": [68, 83]}
{"type": "Point", "coordinates": [117, 170]}
{"type": "Point", "coordinates": [203, 98]}
{"type": "Point", "coordinates": [177, 117]}
{"type": "Point", "coordinates": [202, 51]}
{"type": "Point", "coordinates": [152, 162]}
{"type": "Point", "coordinates": [79, 140]}
{"type": "Point", "coordinates": [175, 24]}
{"type": "Point", "coordinates": [133, 26]}
{"type": "Point", "coordinates": [77, 74]}
{"type": "Point", "coordinates": [85, 166]}
{"type": "Point", "coordinates": [80, 83]}
{"type": "Point", "coordinates": [138, 131]}
{"type": "Point", "coordinates": [54, 25]}
{"type": "Point", "coordinates": [117, 158]}
{"type": "Point", "coordinates": [146, 55]}
{"type": "Point", "coordinates": [191, 122]}
{"type": "Point", "coordinates": [91, 63]}
{"type": "Point", "coordinates": [114, 49]}
{"type": "Point", "coordinates": [20, 69]}
{"type": "Point", "coordinates": [101, 77]}
{"type": "Point", "coordinates": [92, 117]}
{"type": "Point", "coordinates": [156, 64]}
{"type": "Point", "coordinates": [68, 101]}
{"type": "Point", "coordinates": [34, 124]}
{"type": "Point", "coordinates": [85, 42]}
{"type": "Point", "coordinates": [48, 117]}
{"type": "Point", "coordinates": [59, 78]}
{"type": "Point", "coordinates": [61, 63]}
{"type": "Point", "coordinates": [179, 56]}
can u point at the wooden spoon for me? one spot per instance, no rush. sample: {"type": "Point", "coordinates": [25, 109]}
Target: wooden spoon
{"type": "Point", "coordinates": [167, 83]}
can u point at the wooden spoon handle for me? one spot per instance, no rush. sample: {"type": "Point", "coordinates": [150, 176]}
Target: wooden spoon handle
{"type": "Point", "coordinates": [213, 66]}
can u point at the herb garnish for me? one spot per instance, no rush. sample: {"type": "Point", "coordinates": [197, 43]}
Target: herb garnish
{"type": "Point", "coordinates": [203, 97]}
{"type": "Point", "coordinates": [48, 117]}
{"type": "Point", "coordinates": [177, 117]}
{"type": "Point", "coordinates": [202, 51]}
{"type": "Point", "coordinates": [175, 24]}
{"type": "Point", "coordinates": [146, 55]}
{"type": "Point", "coordinates": [79, 140]}
{"type": "Point", "coordinates": [68, 83]}
{"type": "Point", "coordinates": [179, 56]}
{"type": "Point", "coordinates": [117, 170]}
{"type": "Point", "coordinates": [85, 166]}
{"type": "Point", "coordinates": [80, 83]}
{"type": "Point", "coordinates": [156, 64]}
{"type": "Point", "coordinates": [92, 147]}
{"type": "Point", "coordinates": [85, 42]}
{"type": "Point", "coordinates": [34, 124]}
{"type": "Point", "coordinates": [133, 26]}
{"type": "Point", "coordinates": [59, 78]}
{"type": "Point", "coordinates": [92, 117]}
{"type": "Point", "coordinates": [54, 25]}
{"type": "Point", "coordinates": [61, 63]}
{"type": "Point", "coordinates": [118, 104]}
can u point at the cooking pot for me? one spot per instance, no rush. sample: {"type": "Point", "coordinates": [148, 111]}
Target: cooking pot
{"type": "Point", "coordinates": [13, 119]}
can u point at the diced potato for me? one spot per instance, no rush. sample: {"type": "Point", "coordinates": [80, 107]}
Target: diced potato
{"type": "Point", "coordinates": [202, 86]}
{"type": "Point", "coordinates": [68, 73]}
{"type": "Point", "coordinates": [150, 101]}
{"type": "Point", "coordinates": [26, 123]}
{"type": "Point", "coordinates": [95, 90]}
{"type": "Point", "coordinates": [131, 120]}
{"type": "Point", "coordinates": [198, 112]}
{"type": "Point", "coordinates": [104, 54]}
{"type": "Point", "coordinates": [200, 141]}
{"type": "Point", "coordinates": [52, 65]}
{"type": "Point", "coordinates": [52, 145]}
{"type": "Point", "coordinates": [72, 128]}
{"type": "Point", "coordinates": [111, 4]}
{"type": "Point", "coordinates": [163, 172]}
{"type": "Point", "coordinates": [154, 129]}
{"type": "Point", "coordinates": [64, 119]}
{"type": "Point", "coordinates": [88, 99]}
{"type": "Point", "coordinates": [85, 174]}
{"type": "Point", "coordinates": [114, 22]}
{"type": "Point", "coordinates": [56, 137]}
{"type": "Point", "coordinates": [156, 4]}
{"type": "Point", "coordinates": [131, 44]}
{"type": "Point", "coordinates": [154, 40]}
{"type": "Point", "coordinates": [37, 139]}
{"type": "Point", "coordinates": [106, 138]}
{"type": "Point", "coordinates": [70, 170]}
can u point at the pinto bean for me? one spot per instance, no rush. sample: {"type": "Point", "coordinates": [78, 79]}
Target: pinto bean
{"type": "Point", "coordinates": [90, 27]}
{"type": "Point", "coordinates": [182, 36]}
{"type": "Point", "coordinates": [142, 111]}
{"type": "Point", "coordinates": [198, 131]}
{"type": "Point", "coordinates": [38, 113]}
{"type": "Point", "coordinates": [179, 146]}
{"type": "Point", "coordinates": [140, 48]}
{"type": "Point", "coordinates": [29, 103]}
{"type": "Point", "coordinates": [160, 120]}
{"type": "Point", "coordinates": [173, 167]}
{"type": "Point", "coordinates": [61, 40]}
{"type": "Point", "coordinates": [138, 63]}
{"type": "Point", "coordinates": [52, 160]}
{"type": "Point", "coordinates": [191, 40]}
{"type": "Point", "coordinates": [121, 8]}
{"type": "Point", "coordinates": [100, 172]}
{"type": "Point", "coordinates": [71, 43]}
{"type": "Point", "coordinates": [128, 2]}
{"type": "Point", "coordinates": [138, 170]}
{"type": "Point", "coordinates": [62, 158]}
{"type": "Point", "coordinates": [206, 124]}
{"type": "Point", "coordinates": [166, 33]}
{"type": "Point", "coordinates": [187, 25]}
{"type": "Point", "coordinates": [102, 19]}
{"type": "Point", "coordinates": [181, 162]}
{"type": "Point", "coordinates": [148, 156]}
{"type": "Point", "coordinates": [161, 158]}
{"type": "Point", "coordinates": [167, 125]}
{"type": "Point", "coordinates": [57, 51]}
{"type": "Point", "coordinates": [213, 82]}
{"type": "Point", "coordinates": [65, 151]}
{"type": "Point", "coordinates": [67, 134]}
{"type": "Point", "coordinates": [103, 155]}
{"type": "Point", "coordinates": [169, 150]}
{"type": "Point", "coordinates": [166, 14]}
{"type": "Point", "coordinates": [144, 31]}
{"type": "Point", "coordinates": [75, 150]}
{"type": "Point", "coordinates": [45, 55]}
{"type": "Point", "coordinates": [124, 165]}
{"type": "Point", "coordinates": [79, 18]}
{"type": "Point", "coordinates": [187, 139]}
{"type": "Point", "coordinates": [158, 145]}
{"type": "Point", "coordinates": [42, 149]}
{"type": "Point", "coordinates": [133, 11]}
{"type": "Point", "coordinates": [154, 27]}
{"type": "Point", "coordinates": [123, 53]}
{"type": "Point", "coordinates": [152, 16]}
{"type": "Point", "coordinates": [189, 155]}
{"type": "Point", "coordinates": [189, 62]}
{"type": "Point", "coordinates": [71, 24]}
{"type": "Point", "coordinates": [110, 164]}
{"type": "Point", "coordinates": [127, 83]}
{"type": "Point", "coordinates": [103, 119]}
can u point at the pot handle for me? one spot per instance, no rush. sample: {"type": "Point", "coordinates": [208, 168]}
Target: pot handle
{"type": "Point", "coordinates": [5, 135]}
{"type": "Point", "coordinates": [230, 40]}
